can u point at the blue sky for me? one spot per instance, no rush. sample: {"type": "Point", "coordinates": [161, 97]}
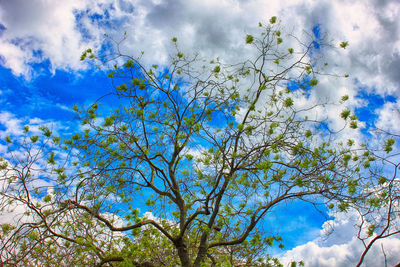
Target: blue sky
{"type": "Point", "coordinates": [41, 75]}
{"type": "Point", "coordinates": [50, 96]}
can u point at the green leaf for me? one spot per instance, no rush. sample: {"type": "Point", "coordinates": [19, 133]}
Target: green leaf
{"type": "Point", "coordinates": [249, 39]}
{"type": "Point", "coordinates": [56, 139]}
{"type": "Point", "coordinates": [108, 121]}
{"type": "Point", "coordinates": [382, 180]}
{"type": "Point", "coordinates": [46, 131]}
{"type": "Point", "coordinates": [371, 230]}
{"type": "Point", "coordinates": [350, 142]}
{"type": "Point", "coordinates": [344, 44]}
{"type": "Point", "coordinates": [83, 56]}
{"type": "Point", "coordinates": [3, 165]}
{"type": "Point", "coordinates": [389, 145]}
{"type": "Point", "coordinates": [6, 228]}
{"type": "Point", "coordinates": [272, 20]}
{"type": "Point", "coordinates": [8, 139]}
{"type": "Point", "coordinates": [129, 64]}
{"type": "Point", "coordinates": [47, 199]}
{"type": "Point", "coordinates": [188, 157]}
{"type": "Point", "coordinates": [343, 206]}
{"type": "Point", "coordinates": [345, 114]}
{"type": "Point", "coordinates": [33, 235]}
{"type": "Point", "coordinates": [51, 158]}
{"type": "Point", "coordinates": [353, 117]}
{"type": "Point", "coordinates": [353, 125]}
{"type": "Point", "coordinates": [313, 82]}
{"type": "Point", "coordinates": [75, 137]}
{"type": "Point", "coordinates": [265, 165]}
{"type": "Point", "coordinates": [122, 87]}
{"type": "Point", "coordinates": [288, 102]}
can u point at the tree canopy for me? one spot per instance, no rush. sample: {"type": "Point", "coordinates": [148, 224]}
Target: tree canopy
{"type": "Point", "coordinates": [187, 164]}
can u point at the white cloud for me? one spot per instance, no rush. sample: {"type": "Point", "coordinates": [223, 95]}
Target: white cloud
{"type": "Point", "coordinates": [338, 246]}
{"type": "Point", "coordinates": [11, 123]}
{"type": "Point", "coordinates": [61, 30]}
{"type": "Point", "coordinates": [345, 254]}
{"type": "Point", "coordinates": [33, 26]}
{"type": "Point", "coordinates": [58, 31]}
{"type": "Point", "coordinates": [389, 117]}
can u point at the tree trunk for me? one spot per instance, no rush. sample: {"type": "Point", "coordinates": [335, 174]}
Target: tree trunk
{"type": "Point", "coordinates": [202, 252]}
{"type": "Point", "coordinates": [183, 254]}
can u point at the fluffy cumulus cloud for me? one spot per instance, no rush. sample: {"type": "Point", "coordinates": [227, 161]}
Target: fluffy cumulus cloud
{"type": "Point", "coordinates": [58, 31]}
{"type": "Point", "coordinates": [11, 124]}
{"type": "Point", "coordinates": [338, 246]}
{"type": "Point", "coordinates": [389, 117]}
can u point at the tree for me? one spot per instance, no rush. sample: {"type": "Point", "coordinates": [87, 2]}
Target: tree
{"type": "Point", "coordinates": [210, 148]}
{"type": "Point", "coordinates": [380, 209]}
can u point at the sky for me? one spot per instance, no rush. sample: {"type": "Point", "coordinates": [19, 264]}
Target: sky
{"type": "Point", "coordinates": [42, 77]}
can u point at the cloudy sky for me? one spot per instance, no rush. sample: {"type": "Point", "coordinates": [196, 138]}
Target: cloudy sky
{"type": "Point", "coordinates": [41, 76]}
